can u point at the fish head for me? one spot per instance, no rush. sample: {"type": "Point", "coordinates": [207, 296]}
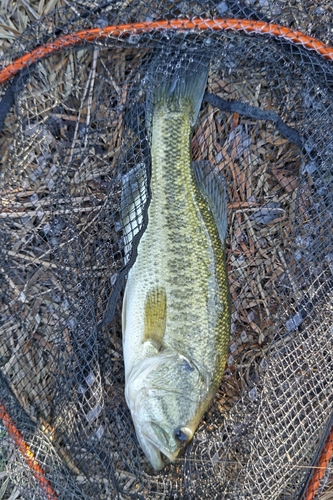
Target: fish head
{"type": "Point", "coordinates": [167, 397]}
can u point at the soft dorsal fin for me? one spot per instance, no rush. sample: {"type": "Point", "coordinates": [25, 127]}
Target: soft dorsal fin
{"type": "Point", "coordinates": [155, 316]}
{"type": "Point", "coordinates": [212, 188]}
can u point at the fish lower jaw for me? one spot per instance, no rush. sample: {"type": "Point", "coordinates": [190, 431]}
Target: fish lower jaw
{"type": "Point", "coordinates": [163, 455]}
{"type": "Point", "coordinates": [157, 454]}
{"type": "Point", "coordinates": [169, 456]}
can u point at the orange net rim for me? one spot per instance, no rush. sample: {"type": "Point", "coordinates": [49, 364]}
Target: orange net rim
{"type": "Point", "coordinates": [323, 462]}
{"type": "Point", "coordinates": [96, 34]}
{"type": "Point", "coordinates": [196, 24]}
{"type": "Point", "coordinates": [27, 454]}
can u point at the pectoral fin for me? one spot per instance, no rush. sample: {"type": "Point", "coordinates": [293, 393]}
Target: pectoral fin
{"type": "Point", "coordinates": [212, 188]}
{"type": "Point", "coordinates": [155, 316]}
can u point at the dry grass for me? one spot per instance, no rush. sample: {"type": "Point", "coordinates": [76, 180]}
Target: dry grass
{"type": "Point", "coordinates": [15, 16]}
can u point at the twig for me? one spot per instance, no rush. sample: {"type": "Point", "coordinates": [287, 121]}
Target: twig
{"type": "Point", "coordinates": [90, 93]}
{"type": "Point", "coordinates": [86, 92]}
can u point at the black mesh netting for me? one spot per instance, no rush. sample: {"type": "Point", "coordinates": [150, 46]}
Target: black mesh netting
{"type": "Point", "coordinates": [75, 128]}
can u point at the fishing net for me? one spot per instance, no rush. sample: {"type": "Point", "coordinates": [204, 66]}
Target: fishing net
{"type": "Point", "coordinates": [74, 126]}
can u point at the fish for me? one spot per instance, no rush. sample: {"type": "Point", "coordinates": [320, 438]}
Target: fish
{"type": "Point", "coordinates": [176, 306]}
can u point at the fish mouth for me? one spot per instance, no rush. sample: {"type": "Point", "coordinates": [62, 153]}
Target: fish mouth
{"type": "Point", "coordinates": [153, 451]}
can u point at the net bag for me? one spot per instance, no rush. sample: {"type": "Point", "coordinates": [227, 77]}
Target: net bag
{"type": "Point", "coordinates": [73, 115]}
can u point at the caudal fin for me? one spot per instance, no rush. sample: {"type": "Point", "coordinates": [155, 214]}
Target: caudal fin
{"type": "Point", "coordinates": [178, 78]}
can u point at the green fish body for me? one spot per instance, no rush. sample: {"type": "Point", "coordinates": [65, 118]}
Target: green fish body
{"type": "Point", "coordinates": [176, 312]}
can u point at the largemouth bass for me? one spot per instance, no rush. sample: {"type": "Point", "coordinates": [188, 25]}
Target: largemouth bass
{"type": "Point", "coordinates": [176, 312]}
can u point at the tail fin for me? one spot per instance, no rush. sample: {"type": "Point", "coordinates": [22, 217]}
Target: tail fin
{"type": "Point", "coordinates": [184, 78]}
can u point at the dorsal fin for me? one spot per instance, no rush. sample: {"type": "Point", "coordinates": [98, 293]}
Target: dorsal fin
{"type": "Point", "coordinates": [212, 188]}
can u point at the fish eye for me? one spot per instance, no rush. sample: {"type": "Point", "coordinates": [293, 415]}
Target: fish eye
{"type": "Point", "coordinates": [183, 434]}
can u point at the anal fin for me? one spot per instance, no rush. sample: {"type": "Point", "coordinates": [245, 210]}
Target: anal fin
{"type": "Point", "coordinates": [134, 194]}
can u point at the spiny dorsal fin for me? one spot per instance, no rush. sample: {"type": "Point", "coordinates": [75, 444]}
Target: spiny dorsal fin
{"type": "Point", "coordinates": [155, 316]}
